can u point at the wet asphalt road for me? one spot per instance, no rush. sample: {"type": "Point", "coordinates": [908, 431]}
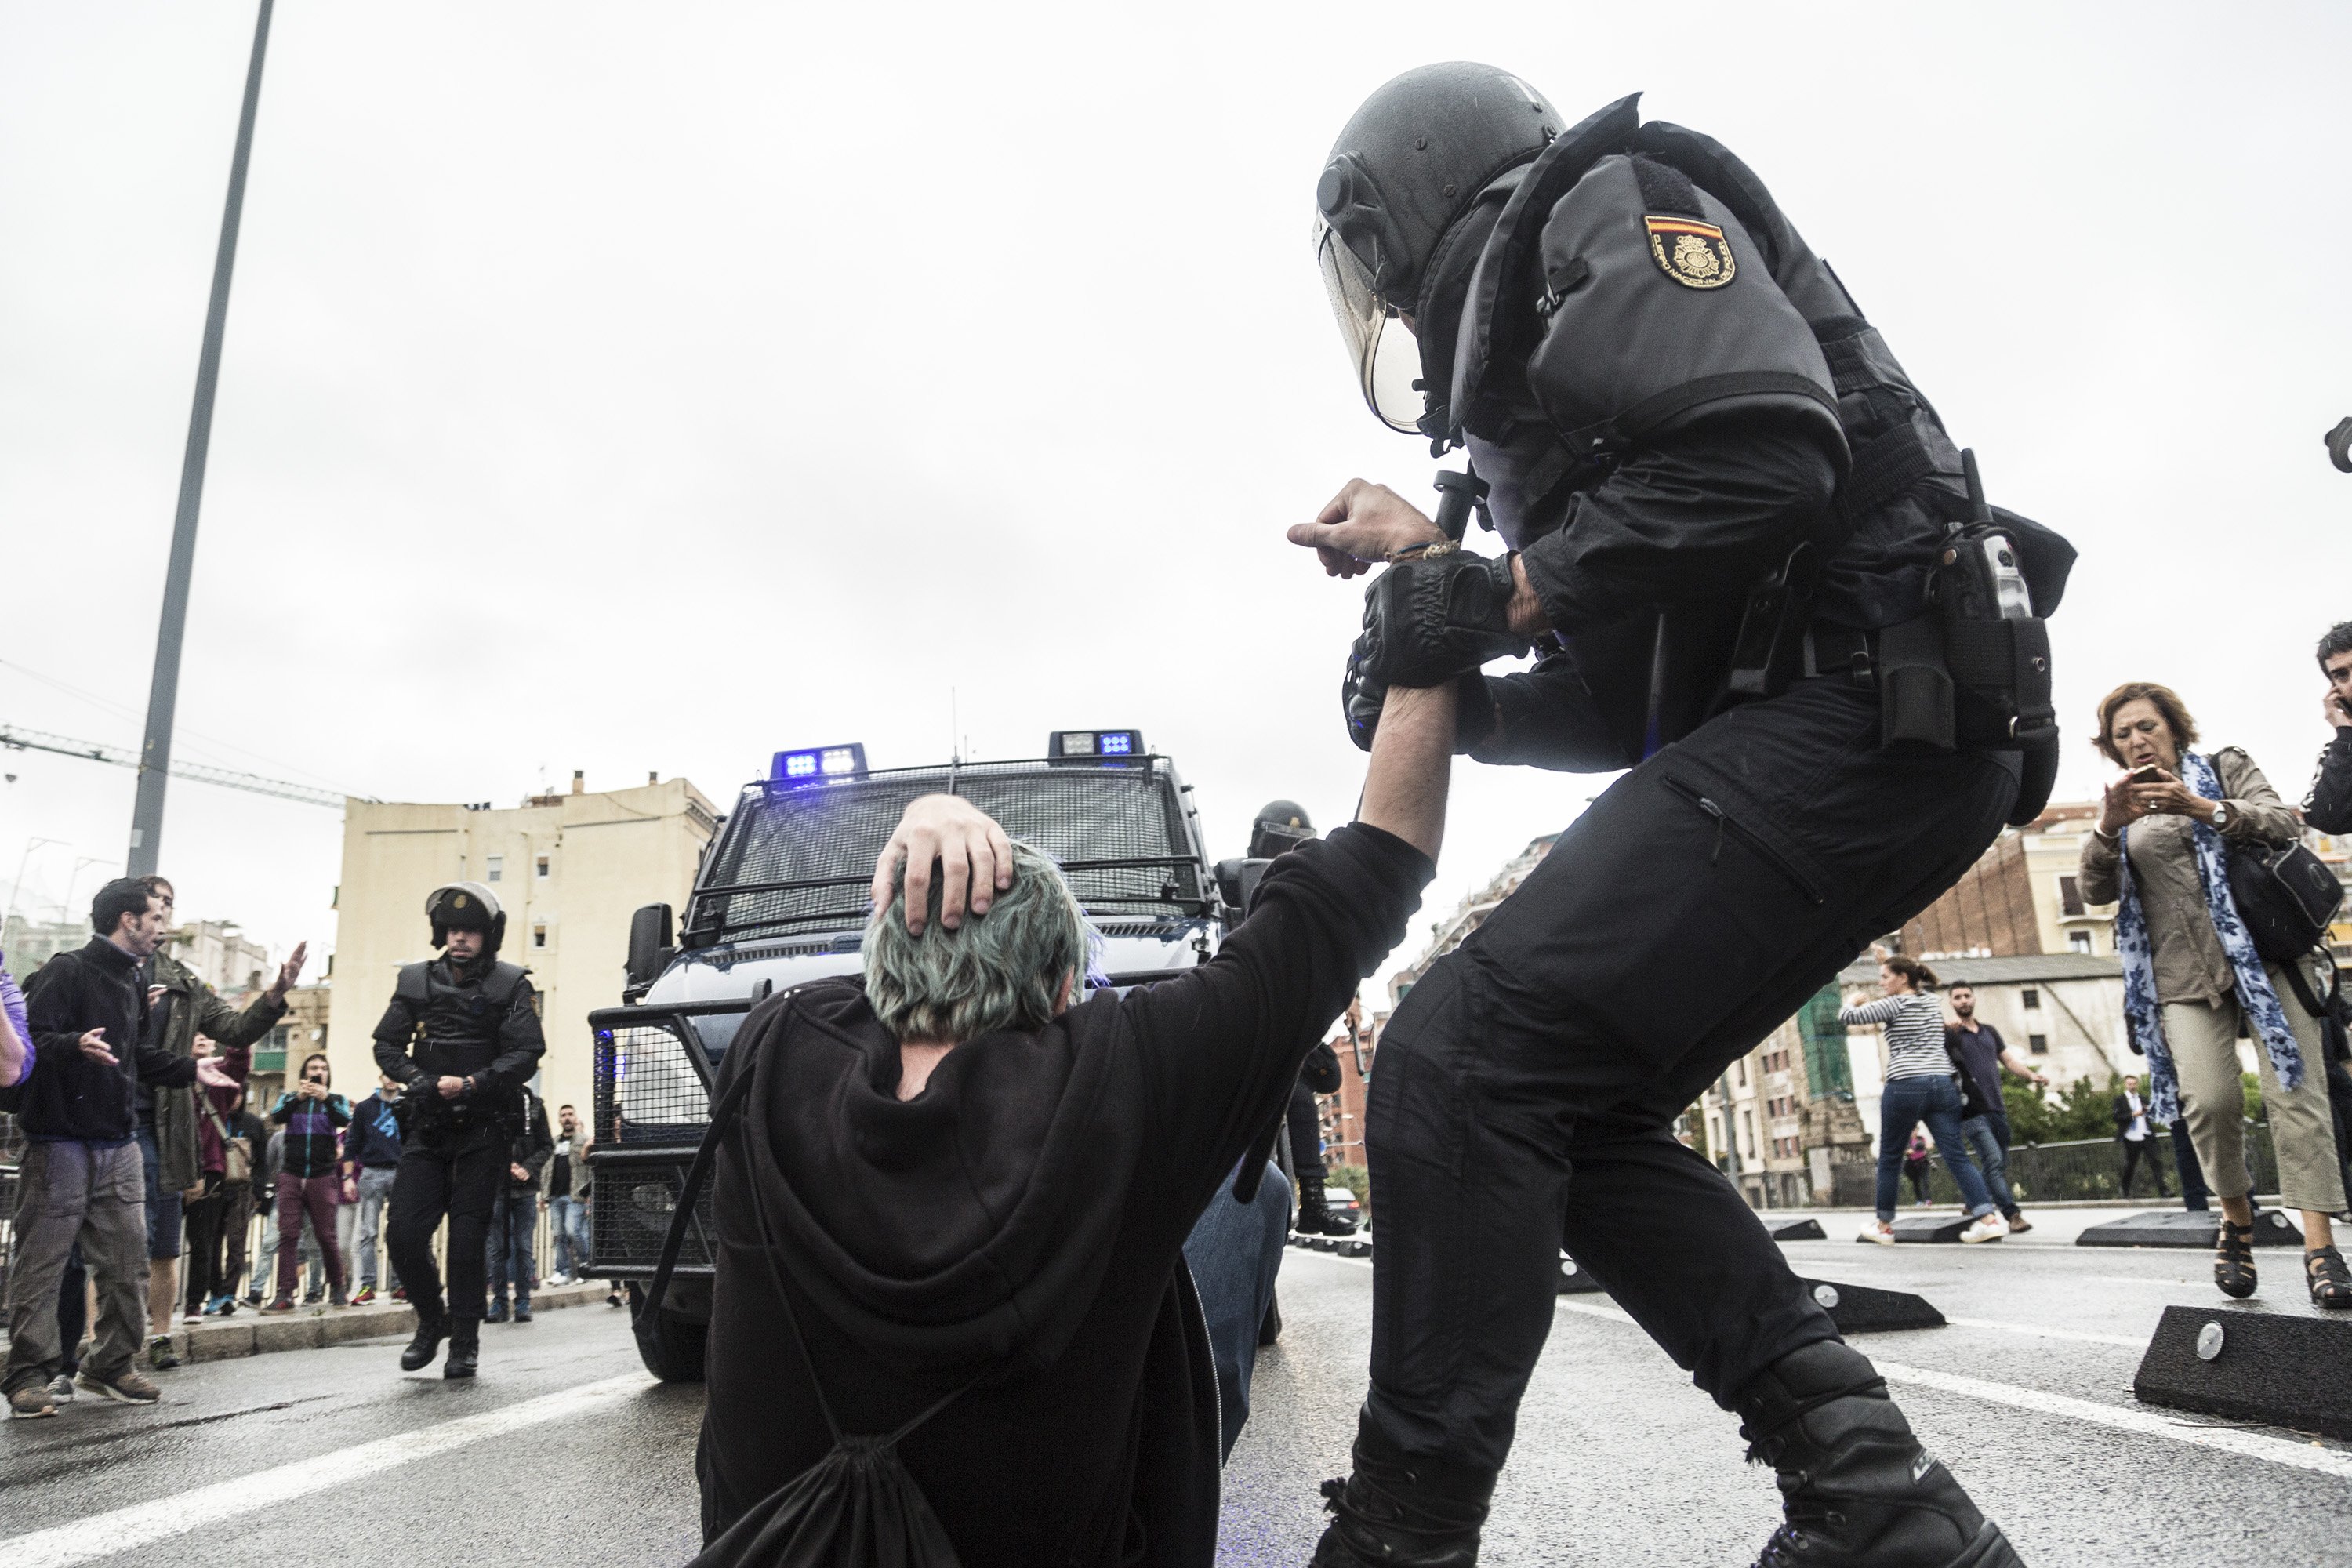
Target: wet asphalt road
{"type": "Point", "coordinates": [1620, 1460]}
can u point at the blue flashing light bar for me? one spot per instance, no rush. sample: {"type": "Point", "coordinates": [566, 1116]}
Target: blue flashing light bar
{"type": "Point", "coordinates": [1081, 745]}
{"type": "Point", "coordinates": [818, 765]}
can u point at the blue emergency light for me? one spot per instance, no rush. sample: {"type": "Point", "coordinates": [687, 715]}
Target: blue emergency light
{"type": "Point", "coordinates": [818, 765]}
{"type": "Point", "coordinates": [1086, 745]}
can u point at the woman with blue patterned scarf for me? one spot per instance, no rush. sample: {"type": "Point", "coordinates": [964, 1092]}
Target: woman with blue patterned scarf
{"type": "Point", "coordinates": [2192, 980]}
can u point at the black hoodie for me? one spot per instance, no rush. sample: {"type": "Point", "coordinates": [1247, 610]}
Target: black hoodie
{"type": "Point", "coordinates": [1026, 1213]}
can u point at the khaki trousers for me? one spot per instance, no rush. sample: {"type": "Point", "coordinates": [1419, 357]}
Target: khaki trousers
{"type": "Point", "coordinates": [67, 1193]}
{"type": "Point", "coordinates": [2204, 1042]}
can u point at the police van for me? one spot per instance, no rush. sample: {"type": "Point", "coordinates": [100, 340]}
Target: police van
{"type": "Point", "coordinates": [780, 899]}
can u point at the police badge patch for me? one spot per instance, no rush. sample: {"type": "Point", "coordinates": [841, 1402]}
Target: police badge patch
{"type": "Point", "coordinates": [1694, 254]}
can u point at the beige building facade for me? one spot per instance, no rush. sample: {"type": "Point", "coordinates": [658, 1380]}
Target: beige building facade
{"type": "Point", "coordinates": [568, 869]}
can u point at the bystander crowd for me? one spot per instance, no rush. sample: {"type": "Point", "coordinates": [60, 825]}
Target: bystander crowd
{"type": "Point", "coordinates": [1980, 1056]}
{"type": "Point", "coordinates": [1919, 1087]}
{"type": "Point", "coordinates": [567, 1197]}
{"type": "Point", "coordinates": [370, 1157]}
{"type": "Point", "coordinates": [508, 1257]}
{"type": "Point", "coordinates": [79, 1179]}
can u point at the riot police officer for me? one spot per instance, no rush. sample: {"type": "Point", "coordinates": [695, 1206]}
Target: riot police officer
{"type": "Point", "coordinates": [462, 1031]}
{"type": "Point", "coordinates": [1757, 573]}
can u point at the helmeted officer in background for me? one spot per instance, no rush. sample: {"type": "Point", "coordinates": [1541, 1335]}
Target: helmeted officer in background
{"type": "Point", "coordinates": [462, 1033]}
{"type": "Point", "coordinates": [1757, 573]}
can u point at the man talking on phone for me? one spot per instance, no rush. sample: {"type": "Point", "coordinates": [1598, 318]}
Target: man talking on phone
{"type": "Point", "coordinates": [2329, 808]}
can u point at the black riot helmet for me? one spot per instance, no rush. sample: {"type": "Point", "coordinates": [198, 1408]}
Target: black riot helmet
{"type": "Point", "coordinates": [466, 906]}
{"type": "Point", "coordinates": [1281, 825]}
{"type": "Point", "coordinates": [1435, 147]}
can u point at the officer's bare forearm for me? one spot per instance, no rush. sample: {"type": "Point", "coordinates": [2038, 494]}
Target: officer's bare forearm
{"type": "Point", "coordinates": [1413, 765]}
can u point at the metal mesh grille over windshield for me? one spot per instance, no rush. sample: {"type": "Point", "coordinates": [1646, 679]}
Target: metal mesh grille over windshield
{"type": "Point", "coordinates": [831, 833]}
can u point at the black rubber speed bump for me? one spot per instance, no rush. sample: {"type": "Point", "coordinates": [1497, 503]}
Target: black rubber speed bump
{"type": "Point", "coordinates": [2294, 1373]}
{"type": "Point", "coordinates": [1861, 1309]}
{"type": "Point", "coordinates": [1355, 1247]}
{"type": "Point", "coordinates": [1930, 1226]}
{"type": "Point", "coordinates": [2178, 1227]}
{"type": "Point", "coordinates": [1574, 1278]}
{"type": "Point", "coordinates": [1800, 1230]}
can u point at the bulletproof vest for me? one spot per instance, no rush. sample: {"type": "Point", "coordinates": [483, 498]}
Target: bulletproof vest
{"type": "Point", "coordinates": [457, 1026]}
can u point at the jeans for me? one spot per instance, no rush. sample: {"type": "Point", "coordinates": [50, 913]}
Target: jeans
{"type": "Point", "coordinates": [1234, 1253]}
{"type": "Point", "coordinates": [1530, 1082]}
{"type": "Point", "coordinates": [165, 1210]}
{"type": "Point", "coordinates": [507, 1247]}
{"type": "Point", "coordinates": [1935, 1099]}
{"type": "Point", "coordinates": [568, 1218]}
{"type": "Point", "coordinates": [67, 1193]}
{"type": "Point", "coordinates": [1988, 1138]}
{"type": "Point", "coordinates": [375, 1190]}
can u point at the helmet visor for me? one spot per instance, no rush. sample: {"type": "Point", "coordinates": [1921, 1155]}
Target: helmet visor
{"type": "Point", "coordinates": [1386, 357]}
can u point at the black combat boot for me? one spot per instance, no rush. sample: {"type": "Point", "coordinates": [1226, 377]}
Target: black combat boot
{"type": "Point", "coordinates": [430, 1332]}
{"type": "Point", "coordinates": [1859, 1491]}
{"type": "Point", "coordinates": [1314, 1217]}
{"type": "Point", "coordinates": [465, 1347]}
{"type": "Point", "coordinates": [1400, 1511]}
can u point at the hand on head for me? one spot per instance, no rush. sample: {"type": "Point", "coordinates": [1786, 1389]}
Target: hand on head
{"type": "Point", "coordinates": [973, 856]}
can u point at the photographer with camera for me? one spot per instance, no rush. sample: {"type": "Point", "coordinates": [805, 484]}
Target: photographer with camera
{"type": "Point", "coordinates": [2329, 805]}
{"type": "Point", "coordinates": [462, 1033]}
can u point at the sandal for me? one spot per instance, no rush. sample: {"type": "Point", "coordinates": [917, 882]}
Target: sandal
{"type": "Point", "coordinates": [2330, 1281]}
{"type": "Point", "coordinates": [2233, 1261]}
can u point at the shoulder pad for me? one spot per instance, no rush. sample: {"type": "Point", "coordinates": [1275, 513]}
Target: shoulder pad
{"type": "Point", "coordinates": [411, 985]}
{"type": "Point", "coordinates": [1489, 333]}
{"type": "Point", "coordinates": [505, 980]}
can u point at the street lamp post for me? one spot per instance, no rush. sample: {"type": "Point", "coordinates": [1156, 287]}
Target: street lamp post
{"type": "Point", "coordinates": [155, 754]}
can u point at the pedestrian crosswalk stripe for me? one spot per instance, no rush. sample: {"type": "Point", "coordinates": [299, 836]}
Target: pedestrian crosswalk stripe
{"type": "Point", "coordinates": [106, 1534]}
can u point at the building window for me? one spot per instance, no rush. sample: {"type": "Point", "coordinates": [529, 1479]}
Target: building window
{"type": "Point", "coordinates": [2078, 940]}
{"type": "Point", "coordinates": [542, 868]}
{"type": "Point", "coordinates": [2030, 999]}
{"type": "Point", "coordinates": [2037, 1044]}
{"type": "Point", "coordinates": [495, 869]}
{"type": "Point", "coordinates": [539, 936]}
{"type": "Point", "coordinates": [2070, 896]}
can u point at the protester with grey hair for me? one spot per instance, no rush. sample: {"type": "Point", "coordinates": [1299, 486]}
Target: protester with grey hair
{"type": "Point", "coordinates": [957, 1194]}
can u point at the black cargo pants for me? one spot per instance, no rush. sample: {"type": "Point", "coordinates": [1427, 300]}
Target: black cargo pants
{"type": "Point", "coordinates": [453, 1172]}
{"type": "Point", "coordinates": [1526, 1086]}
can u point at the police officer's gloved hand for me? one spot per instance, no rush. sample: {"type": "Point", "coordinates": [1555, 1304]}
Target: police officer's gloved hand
{"type": "Point", "coordinates": [1362, 698]}
{"type": "Point", "coordinates": [1429, 620]}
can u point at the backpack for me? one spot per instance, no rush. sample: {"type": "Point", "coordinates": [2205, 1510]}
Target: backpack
{"type": "Point", "coordinates": [855, 1508]}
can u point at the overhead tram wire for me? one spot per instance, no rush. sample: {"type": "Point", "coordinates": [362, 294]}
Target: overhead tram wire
{"type": "Point", "coordinates": [22, 739]}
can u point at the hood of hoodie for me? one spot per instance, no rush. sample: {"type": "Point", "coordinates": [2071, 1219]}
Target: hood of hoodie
{"type": "Point", "coordinates": [970, 1224]}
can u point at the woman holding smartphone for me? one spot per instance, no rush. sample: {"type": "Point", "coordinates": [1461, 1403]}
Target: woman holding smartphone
{"type": "Point", "coordinates": [2191, 975]}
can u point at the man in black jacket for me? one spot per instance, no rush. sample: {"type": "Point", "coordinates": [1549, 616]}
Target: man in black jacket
{"type": "Point", "coordinates": [2329, 808]}
{"type": "Point", "coordinates": [952, 1178]}
{"type": "Point", "coordinates": [1723, 501]}
{"type": "Point", "coordinates": [462, 1031]}
{"type": "Point", "coordinates": [81, 1180]}
{"type": "Point", "coordinates": [514, 1218]}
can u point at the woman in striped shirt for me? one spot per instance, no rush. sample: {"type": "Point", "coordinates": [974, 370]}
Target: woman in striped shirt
{"type": "Point", "coordinates": [1919, 1087]}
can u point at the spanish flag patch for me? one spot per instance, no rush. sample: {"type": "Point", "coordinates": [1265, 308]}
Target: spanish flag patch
{"type": "Point", "coordinates": [1694, 254]}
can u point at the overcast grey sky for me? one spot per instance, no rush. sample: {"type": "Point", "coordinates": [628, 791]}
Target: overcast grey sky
{"type": "Point", "coordinates": [636, 387]}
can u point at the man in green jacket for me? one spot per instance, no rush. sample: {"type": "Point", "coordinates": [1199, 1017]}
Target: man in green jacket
{"type": "Point", "coordinates": [185, 1009]}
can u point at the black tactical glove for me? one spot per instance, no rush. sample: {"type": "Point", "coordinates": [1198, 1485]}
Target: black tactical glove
{"type": "Point", "coordinates": [1429, 620]}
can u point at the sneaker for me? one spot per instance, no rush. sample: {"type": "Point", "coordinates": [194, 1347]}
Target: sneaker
{"type": "Point", "coordinates": [196, 1317]}
{"type": "Point", "coordinates": [30, 1403]}
{"type": "Point", "coordinates": [613, 1299]}
{"type": "Point", "coordinates": [126, 1387]}
{"type": "Point", "coordinates": [253, 1298]}
{"type": "Point", "coordinates": [522, 1314]}
{"type": "Point", "coordinates": [365, 1298]}
{"type": "Point", "coordinates": [556, 1280]}
{"type": "Point", "coordinates": [160, 1354]}
{"type": "Point", "coordinates": [61, 1388]}
{"type": "Point", "coordinates": [497, 1314]}
{"type": "Point", "coordinates": [227, 1307]}
{"type": "Point", "coordinates": [2019, 1224]}
{"type": "Point", "coordinates": [1986, 1227]}
{"type": "Point", "coordinates": [312, 1297]}
{"type": "Point", "coordinates": [337, 1299]}
{"type": "Point", "coordinates": [400, 1292]}
{"type": "Point", "coordinates": [283, 1304]}
{"type": "Point", "coordinates": [1878, 1231]}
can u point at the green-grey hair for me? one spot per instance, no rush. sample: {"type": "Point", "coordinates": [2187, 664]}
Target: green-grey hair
{"type": "Point", "coordinates": [1002, 970]}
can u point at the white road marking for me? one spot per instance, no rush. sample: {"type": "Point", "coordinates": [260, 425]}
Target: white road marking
{"type": "Point", "coordinates": [2041, 1331]}
{"type": "Point", "coordinates": [105, 1534]}
{"type": "Point", "coordinates": [2142, 1423]}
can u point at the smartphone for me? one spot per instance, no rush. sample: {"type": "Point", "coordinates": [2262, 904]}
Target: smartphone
{"type": "Point", "coordinates": [2148, 774]}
